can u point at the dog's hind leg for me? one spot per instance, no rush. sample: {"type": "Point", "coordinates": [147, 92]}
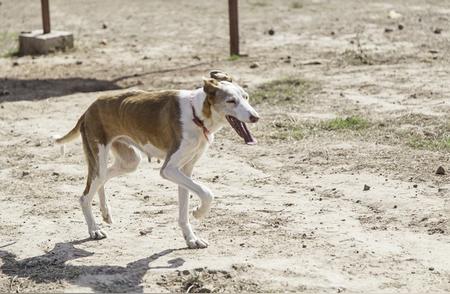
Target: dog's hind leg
{"type": "Point", "coordinates": [126, 160]}
{"type": "Point", "coordinates": [104, 206]}
{"type": "Point", "coordinates": [96, 155]}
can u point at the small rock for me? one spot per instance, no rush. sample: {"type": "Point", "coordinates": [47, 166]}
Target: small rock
{"type": "Point", "coordinates": [25, 173]}
{"type": "Point", "coordinates": [145, 57]}
{"type": "Point", "coordinates": [254, 65]}
{"type": "Point", "coordinates": [394, 14]}
{"type": "Point", "coordinates": [437, 31]}
{"type": "Point", "coordinates": [433, 51]}
{"type": "Point", "coordinates": [431, 268]}
{"type": "Point", "coordinates": [55, 174]}
{"type": "Point", "coordinates": [145, 232]}
{"type": "Point", "coordinates": [388, 30]}
{"type": "Point", "coordinates": [358, 201]}
{"type": "Point", "coordinates": [271, 32]}
{"type": "Point", "coordinates": [303, 245]}
{"type": "Point", "coordinates": [366, 187]}
{"type": "Point", "coordinates": [103, 42]}
{"type": "Point", "coordinates": [15, 63]}
{"type": "Point", "coordinates": [440, 171]}
{"type": "Point", "coordinates": [395, 206]}
{"type": "Point", "coordinates": [79, 62]}
{"type": "Point", "coordinates": [401, 27]}
{"type": "Point", "coordinates": [196, 57]}
{"type": "Point", "coordinates": [415, 186]}
{"type": "Point", "coordinates": [104, 26]}
{"type": "Point", "coordinates": [146, 197]}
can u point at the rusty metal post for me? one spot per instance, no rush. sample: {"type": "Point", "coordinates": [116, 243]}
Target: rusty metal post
{"type": "Point", "coordinates": [45, 16]}
{"type": "Point", "coordinates": [234, 27]}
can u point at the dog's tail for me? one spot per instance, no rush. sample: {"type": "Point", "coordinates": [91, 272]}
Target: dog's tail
{"type": "Point", "coordinates": [70, 136]}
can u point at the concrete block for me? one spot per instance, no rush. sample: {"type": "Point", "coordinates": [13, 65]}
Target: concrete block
{"type": "Point", "coordinates": [36, 42]}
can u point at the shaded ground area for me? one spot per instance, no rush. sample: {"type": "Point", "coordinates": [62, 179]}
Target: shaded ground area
{"type": "Point", "coordinates": [340, 195]}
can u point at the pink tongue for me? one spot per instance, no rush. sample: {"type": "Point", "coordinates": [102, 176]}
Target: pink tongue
{"type": "Point", "coordinates": [242, 130]}
{"type": "Point", "coordinates": [249, 140]}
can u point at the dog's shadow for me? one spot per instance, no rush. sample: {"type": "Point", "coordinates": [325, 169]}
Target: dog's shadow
{"type": "Point", "coordinates": [51, 267]}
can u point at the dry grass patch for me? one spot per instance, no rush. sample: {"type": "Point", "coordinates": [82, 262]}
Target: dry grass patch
{"type": "Point", "coordinates": [284, 91]}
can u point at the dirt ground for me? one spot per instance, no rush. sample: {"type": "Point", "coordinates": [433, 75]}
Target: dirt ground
{"type": "Point", "coordinates": [340, 194]}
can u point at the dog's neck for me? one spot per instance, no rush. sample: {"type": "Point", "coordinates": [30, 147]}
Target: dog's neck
{"type": "Point", "coordinates": [213, 123]}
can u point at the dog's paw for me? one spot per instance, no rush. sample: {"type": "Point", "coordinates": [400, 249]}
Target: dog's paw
{"type": "Point", "coordinates": [197, 243]}
{"type": "Point", "coordinates": [107, 217]}
{"type": "Point", "coordinates": [97, 234]}
{"type": "Point", "coordinates": [198, 214]}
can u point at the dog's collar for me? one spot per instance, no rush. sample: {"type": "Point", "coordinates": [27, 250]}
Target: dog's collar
{"type": "Point", "coordinates": [197, 120]}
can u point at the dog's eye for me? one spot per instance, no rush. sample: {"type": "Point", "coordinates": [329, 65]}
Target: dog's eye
{"type": "Point", "coordinates": [231, 101]}
{"type": "Point", "coordinates": [246, 97]}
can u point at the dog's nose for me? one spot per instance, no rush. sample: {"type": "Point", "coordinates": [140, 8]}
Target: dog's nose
{"type": "Point", "coordinates": [253, 118]}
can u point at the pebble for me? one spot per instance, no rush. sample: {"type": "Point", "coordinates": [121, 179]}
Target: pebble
{"type": "Point", "coordinates": [388, 30]}
{"type": "Point", "coordinates": [394, 14]}
{"type": "Point", "coordinates": [104, 26]}
{"type": "Point", "coordinates": [440, 171]}
{"type": "Point", "coordinates": [79, 62]}
{"type": "Point", "coordinates": [254, 65]}
{"type": "Point", "coordinates": [437, 31]}
{"type": "Point", "coordinates": [401, 27]}
{"type": "Point", "coordinates": [271, 32]}
{"type": "Point", "coordinates": [366, 188]}
{"type": "Point", "coordinates": [15, 63]}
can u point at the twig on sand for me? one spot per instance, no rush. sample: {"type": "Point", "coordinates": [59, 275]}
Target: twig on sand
{"type": "Point", "coordinates": [8, 244]}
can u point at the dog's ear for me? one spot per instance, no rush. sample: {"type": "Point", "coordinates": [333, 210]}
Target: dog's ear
{"type": "Point", "coordinates": [220, 76]}
{"type": "Point", "coordinates": [210, 86]}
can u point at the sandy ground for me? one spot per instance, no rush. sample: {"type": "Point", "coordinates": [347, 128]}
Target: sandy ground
{"type": "Point", "coordinates": [290, 213]}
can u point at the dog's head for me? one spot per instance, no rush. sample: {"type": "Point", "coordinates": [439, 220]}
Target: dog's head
{"type": "Point", "coordinates": [230, 101]}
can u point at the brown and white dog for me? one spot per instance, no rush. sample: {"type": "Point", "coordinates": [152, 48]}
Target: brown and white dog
{"type": "Point", "coordinates": [176, 126]}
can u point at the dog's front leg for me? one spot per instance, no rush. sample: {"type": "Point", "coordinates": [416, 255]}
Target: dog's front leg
{"type": "Point", "coordinates": [192, 240]}
{"type": "Point", "coordinates": [171, 171]}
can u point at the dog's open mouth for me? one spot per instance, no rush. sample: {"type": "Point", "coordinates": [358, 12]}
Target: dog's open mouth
{"type": "Point", "coordinates": [241, 129]}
